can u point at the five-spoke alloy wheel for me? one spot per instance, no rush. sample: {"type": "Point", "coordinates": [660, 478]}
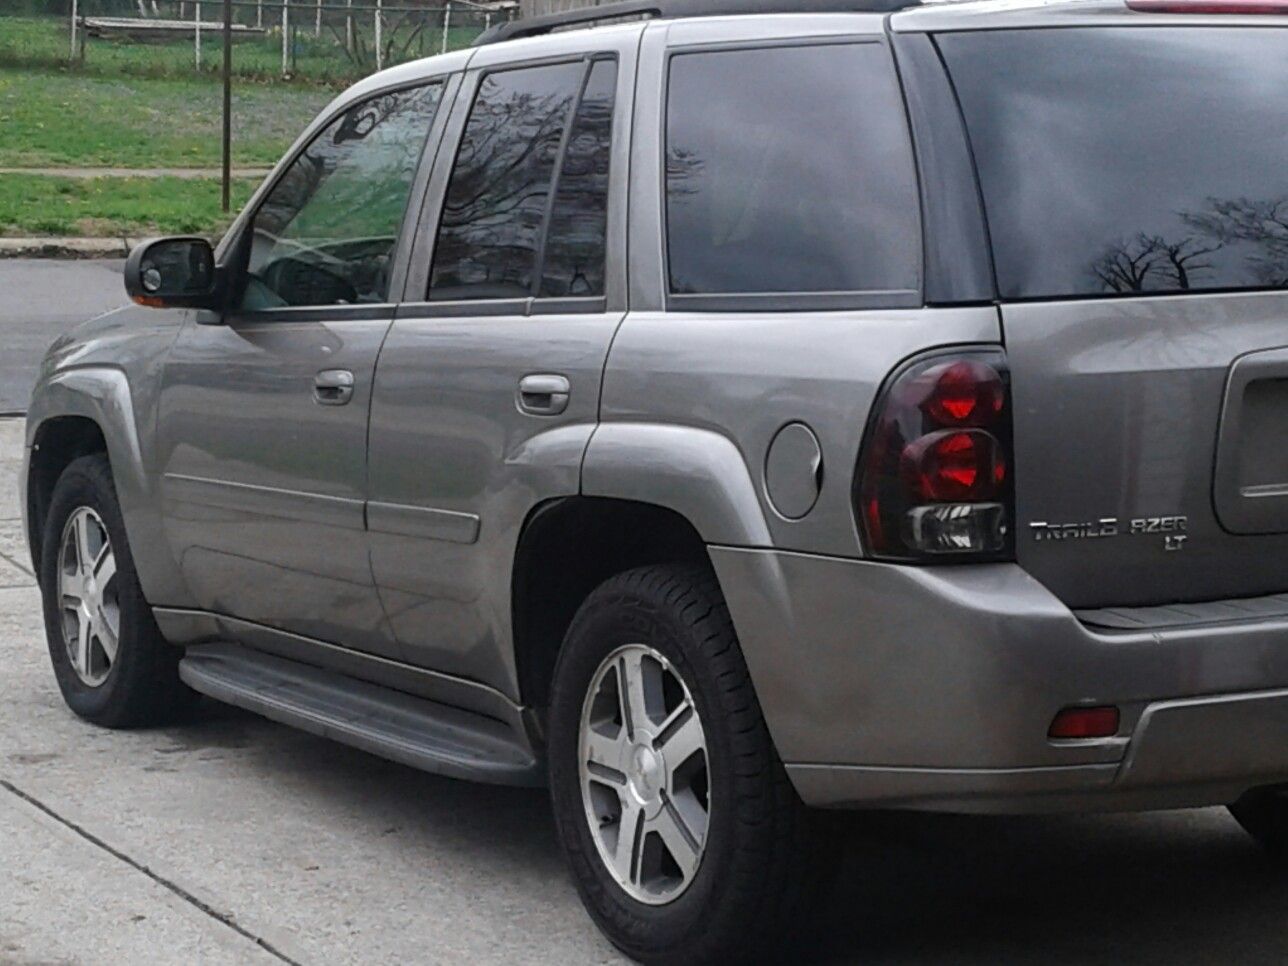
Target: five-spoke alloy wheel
{"type": "Point", "coordinates": [112, 664]}
{"type": "Point", "coordinates": [644, 774]}
{"type": "Point", "coordinates": [683, 833]}
{"type": "Point", "coordinates": [88, 597]}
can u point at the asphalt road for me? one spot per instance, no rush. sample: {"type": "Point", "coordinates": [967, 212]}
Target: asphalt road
{"type": "Point", "coordinates": [231, 839]}
{"type": "Point", "coordinates": [39, 299]}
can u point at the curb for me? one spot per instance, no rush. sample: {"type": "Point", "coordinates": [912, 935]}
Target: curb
{"type": "Point", "coordinates": [66, 247]}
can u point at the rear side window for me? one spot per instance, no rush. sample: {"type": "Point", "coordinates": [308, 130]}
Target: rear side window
{"type": "Point", "coordinates": [1129, 160]}
{"type": "Point", "coordinates": [788, 170]}
{"type": "Point", "coordinates": [532, 133]}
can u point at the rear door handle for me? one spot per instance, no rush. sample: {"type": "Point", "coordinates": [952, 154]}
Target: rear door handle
{"type": "Point", "coordinates": [333, 387]}
{"type": "Point", "coordinates": [544, 394]}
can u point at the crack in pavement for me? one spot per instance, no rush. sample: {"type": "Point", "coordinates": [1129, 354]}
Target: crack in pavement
{"type": "Point", "coordinates": [222, 917]}
{"type": "Point", "coordinates": [8, 559]}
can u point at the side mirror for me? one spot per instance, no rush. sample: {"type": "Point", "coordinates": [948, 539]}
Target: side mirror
{"type": "Point", "coordinates": [173, 273]}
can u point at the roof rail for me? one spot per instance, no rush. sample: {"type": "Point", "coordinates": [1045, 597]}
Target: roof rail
{"type": "Point", "coordinates": [535, 26]}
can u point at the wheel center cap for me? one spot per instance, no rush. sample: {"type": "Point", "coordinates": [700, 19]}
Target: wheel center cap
{"type": "Point", "coordinates": [645, 771]}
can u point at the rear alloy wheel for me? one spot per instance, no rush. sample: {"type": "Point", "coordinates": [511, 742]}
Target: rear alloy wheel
{"type": "Point", "coordinates": [644, 774]}
{"type": "Point", "coordinates": [686, 840]}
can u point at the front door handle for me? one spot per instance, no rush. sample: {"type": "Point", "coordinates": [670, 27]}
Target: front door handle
{"type": "Point", "coordinates": [543, 394]}
{"type": "Point", "coordinates": [333, 387]}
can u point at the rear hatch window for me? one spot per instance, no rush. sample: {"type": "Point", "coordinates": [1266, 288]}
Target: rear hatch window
{"type": "Point", "coordinates": [1122, 161]}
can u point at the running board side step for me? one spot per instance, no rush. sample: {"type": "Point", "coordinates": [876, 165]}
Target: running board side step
{"type": "Point", "coordinates": [404, 728]}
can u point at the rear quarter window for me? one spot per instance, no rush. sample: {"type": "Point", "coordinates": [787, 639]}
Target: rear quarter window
{"type": "Point", "coordinates": [789, 170]}
{"type": "Point", "coordinates": [1129, 160]}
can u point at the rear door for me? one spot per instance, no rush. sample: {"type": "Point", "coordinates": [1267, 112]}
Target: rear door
{"type": "Point", "coordinates": [1137, 197]}
{"type": "Point", "coordinates": [487, 388]}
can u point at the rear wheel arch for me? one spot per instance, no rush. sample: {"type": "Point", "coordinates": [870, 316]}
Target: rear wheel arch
{"type": "Point", "coordinates": [569, 547]}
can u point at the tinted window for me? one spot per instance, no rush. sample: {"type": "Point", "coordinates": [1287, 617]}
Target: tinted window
{"type": "Point", "coordinates": [495, 209]}
{"type": "Point", "coordinates": [574, 252]}
{"type": "Point", "coordinates": [789, 170]}
{"type": "Point", "coordinates": [1130, 160]}
{"type": "Point", "coordinates": [326, 233]}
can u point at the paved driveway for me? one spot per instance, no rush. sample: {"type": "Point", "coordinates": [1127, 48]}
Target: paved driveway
{"type": "Point", "coordinates": [235, 840]}
{"type": "Point", "coordinates": [39, 299]}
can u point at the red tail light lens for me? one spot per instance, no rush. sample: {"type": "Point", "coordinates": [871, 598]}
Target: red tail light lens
{"type": "Point", "coordinates": [1076, 723]}
{"type": "Point", "coordinates": [963, 393]}
{"type": "Point", "coordinates": [934, 478]}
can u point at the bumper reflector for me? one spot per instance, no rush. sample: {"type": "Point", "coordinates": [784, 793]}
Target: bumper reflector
{"type": "Point", "coordinates": [1085, 723]}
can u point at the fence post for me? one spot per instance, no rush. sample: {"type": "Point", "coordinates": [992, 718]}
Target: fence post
{"type": "Point", "coordinates": [317, 25]}
{"type": "Point", "coordinates": [259, 14]}
{"type": "Point", "coordinates": [286, 36]}
{"type": "Point", "coordinates": [447, 19]}
{"type": "Point", "coordinates": [73, 54]}
{"type": "Point", "coordinates": [225, 188]}
{"type": "Point", "coordinates": [348, 28]}
{"type": "Point", "coordinates": [196, 34]}
{"type": "Point", "coordinates": [380, 48]}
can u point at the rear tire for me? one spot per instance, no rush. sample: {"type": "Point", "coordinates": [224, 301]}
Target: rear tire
{"type": "Point", "coordinates": [111, 662]}
{"type": "Point", "coordinates": [754, 866]}
{"type": "Point", "coordinates": [1263, 813]}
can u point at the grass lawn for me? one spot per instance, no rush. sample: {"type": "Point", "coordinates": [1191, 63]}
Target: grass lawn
{"type": "Point", "coordinates": [42, 43]}
{"type": "Point", "coordinates": [50, 118]}
{"type": "Point", "coordinates": [112, 207]}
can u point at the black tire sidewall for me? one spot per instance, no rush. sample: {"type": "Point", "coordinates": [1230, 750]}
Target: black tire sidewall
{"type": "Point", "coordinates": [87, 482]}
{"type": "Point", "coordinates": [607, 622]}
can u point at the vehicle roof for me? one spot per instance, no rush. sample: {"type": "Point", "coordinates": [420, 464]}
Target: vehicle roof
{"type": "Point", "coordinates": [936, 16]}
{"type": "Point", "coordinates": [1020, 14]}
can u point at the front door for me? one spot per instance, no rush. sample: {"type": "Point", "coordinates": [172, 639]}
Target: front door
{"type": "Point", "coordinates": [487, 389]}
{"type": "Point", "coordinates": [263, 412]}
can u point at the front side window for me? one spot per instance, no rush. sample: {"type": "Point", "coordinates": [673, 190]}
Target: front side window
{"type": "Point", "coordinates": [1129, 160]}
{"type": "Point", "coordinates": [325, 235]}
{"type": "Point", "coordinates": [789, 170]}
{"type": "Point", "coordinates": [532, 133]}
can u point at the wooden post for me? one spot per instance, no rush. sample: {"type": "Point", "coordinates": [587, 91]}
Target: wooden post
{"type": "Point", "coordinates": [259, 14]}
{"type": "Point", "coordinates": [74, 25]}
{"type": "Point", "coordinates": [225, 194]}
{"type": "Point", "coordinates": [317, 24]}
{"type": "Point", "coordinates": [348, 28]}
{"type": "Point", "coordinates": [196, 35]}
{"type": "Point", "coordinates": [447, 19]}
{"type": "Point", "coordinates": [286, 37]}
{"type": "Point", "coordinates": [380, 52]}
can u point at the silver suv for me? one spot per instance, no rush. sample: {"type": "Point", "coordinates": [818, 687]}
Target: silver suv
{"type": "Point", "coordinates": [718, 415]}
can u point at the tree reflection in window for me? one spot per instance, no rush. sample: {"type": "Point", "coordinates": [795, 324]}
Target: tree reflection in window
{"type": "Point", "coordinates": [326, 233]}
{"type": "Point", "coordinates": [495, 209]}
{"type": "Point", "coordinates": [574, 251]}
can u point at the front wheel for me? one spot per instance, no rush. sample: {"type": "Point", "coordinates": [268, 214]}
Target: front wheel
{"type": "Point", "coordinates": [685, 837]}
{"type": "Point", "coordinates": [112, 665]}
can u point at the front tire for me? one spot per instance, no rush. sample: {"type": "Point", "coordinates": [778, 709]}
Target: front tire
{"type": "Point", "coordinates": [687, 842]}
{"type": "Point", "coordinates": [111, 662]}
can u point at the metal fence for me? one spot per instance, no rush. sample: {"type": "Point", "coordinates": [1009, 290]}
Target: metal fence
{"type": "Point", "coordinates": [319, 40]}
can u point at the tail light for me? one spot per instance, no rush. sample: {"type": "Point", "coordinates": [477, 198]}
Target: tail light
{"type": "Point", "coordinates": [934, 478]}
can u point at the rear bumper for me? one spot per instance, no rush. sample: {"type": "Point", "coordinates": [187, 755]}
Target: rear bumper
{"type": "Point", "coordinates": [933, 688]}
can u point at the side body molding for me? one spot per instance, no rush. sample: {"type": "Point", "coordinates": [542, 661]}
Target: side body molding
{"type": "Point", "coordinates": [102, 394]}
{"type": "Point", "coordinates": [696, 472]}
